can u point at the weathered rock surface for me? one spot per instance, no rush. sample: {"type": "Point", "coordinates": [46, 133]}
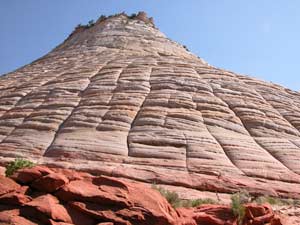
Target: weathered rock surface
{"type": "Point", "coordinates": [121, 99]}
{"type": "Point", "coordinates": [91, 200]}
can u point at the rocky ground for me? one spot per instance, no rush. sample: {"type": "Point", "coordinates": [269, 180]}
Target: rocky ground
{"type": "Point", "coordinates": [40, 195]}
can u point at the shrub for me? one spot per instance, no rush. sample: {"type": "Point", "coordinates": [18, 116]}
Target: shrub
{"type": "Point", "coordinates": [237, 205]}
{"type": "Point", "coordinates": [276, 201]}
{"type": "Point", "coordinates": [186, 48]}
{"type": "Point", "coordinates": [91, 23]}
{"type": "Point", "coordinates": [296, 202]}
{"type": "Point", "coordinates": [17, 164]}
{"type": "Point", "coordinates": [174, 200]}
{"type": "Point", "coordinates": [171, 196]}
{"type": "Point", "coordinates": [132, 16]}
{"type": "Point", "coordinates": [79, 25]}
{"type": "Point", "coordinates": [102, 18]}
{"type": "Point", "coordinates": [201, 201]}
{"type": "Point", "coordinates": [268, 199]}
{"type": "Point", "coordinates": [196, 202]}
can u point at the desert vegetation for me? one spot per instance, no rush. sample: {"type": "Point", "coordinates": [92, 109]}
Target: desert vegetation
{"type": "Point", "coordinates": [91, 23]}
{"type": "Point", "coordinates": [17, 164]}
{"type": "Point", "coordinates": [237, 204]}
{"type": "Point", "coordinates": [238, 201]}
{"type": "Point", "coordinates": [277, 201]}
{"type": "Point", "coordinates": [132, 16]}
{"type": "Point", "coordinates": [176, 202]}
{"type": "Point", "coordinates": [185, 47]}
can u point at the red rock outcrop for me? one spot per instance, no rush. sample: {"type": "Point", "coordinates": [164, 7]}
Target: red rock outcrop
{"type": "Point", "coordinates": [91, 200]}
{"type": "Point", "coordinates": [119, 98]}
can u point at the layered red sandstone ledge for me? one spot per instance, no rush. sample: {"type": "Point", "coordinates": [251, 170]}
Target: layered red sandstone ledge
{"type": "Point", "coordinates": [41, 195]}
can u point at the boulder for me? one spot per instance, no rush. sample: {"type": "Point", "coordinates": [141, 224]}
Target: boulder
{"type": "Point", "coordinates": [27, 175]}
{"type": "Point", "coordinates": [222, 215]}
{"type": "Point", "coordinates": [7, 185]}
{"type": "Point", "coordinates": [50, 183]}
{"type": "Point", "coordinates": [88, 200]}
{"type": "Point", "coordinates": [11, 216]}
{"type": "Point", "coordinates": [72, 174]}
{"type": "Point", "coordinates": [105, 194]}
{"type": "Point", "coordinates": [14, 198]}
{"type": "Point", "coordinates": [48, 206]}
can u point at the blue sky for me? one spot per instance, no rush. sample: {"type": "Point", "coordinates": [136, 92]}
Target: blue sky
{"type": "Point", "coordinates": [260, 38]}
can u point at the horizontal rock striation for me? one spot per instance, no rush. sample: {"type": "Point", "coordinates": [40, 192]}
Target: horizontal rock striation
{"type": "Point", "coordinates": [121, 99]}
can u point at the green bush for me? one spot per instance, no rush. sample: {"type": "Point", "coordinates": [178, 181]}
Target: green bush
{"type": "Point", "coordinates": [171, 196]}
{"type": "Point", "coordinates": [237, 205]}
{"type": "Point", "coordinates": [17, 164]}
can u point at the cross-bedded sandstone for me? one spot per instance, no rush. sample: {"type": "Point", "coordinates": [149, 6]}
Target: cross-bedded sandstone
{"type": "Point", "coordinates": [119, 98]}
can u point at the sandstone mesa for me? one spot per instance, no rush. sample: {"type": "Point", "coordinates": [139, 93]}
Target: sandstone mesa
{"type": "Point", "coordinates": [121, 99]}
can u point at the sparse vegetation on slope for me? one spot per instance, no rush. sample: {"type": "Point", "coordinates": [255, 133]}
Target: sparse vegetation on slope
{"type": "Point", "coordinates": [132, 16]}
{"type": "Point", "coordinates": [17, 164]}
{"type": "Point", "coordinates": [91, 23]}
{"type": "Point", "coordinates": [186, 48]}
{"type": "Point", "coordinates": [277, 201]}
{"type": "Point", "coordinates": [174, 199]}
{"type": "Point", "coordinates": [237, 205]}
